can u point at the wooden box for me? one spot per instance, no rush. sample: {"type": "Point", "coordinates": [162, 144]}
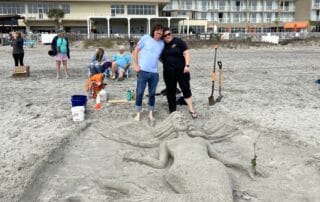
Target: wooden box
{"type": "Point", "coordinates": [21, 71]}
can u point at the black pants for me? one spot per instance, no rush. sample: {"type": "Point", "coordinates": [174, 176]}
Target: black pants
{"type": "Point", "coordinates": [18, 58]}
{"type": "Point", "coordinates": [171, 78]}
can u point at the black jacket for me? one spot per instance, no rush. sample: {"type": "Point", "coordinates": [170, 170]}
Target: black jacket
{"type": "Point", "coordinates": [17, 45]}
{"type": "Point", "coordinates": [54, 45]}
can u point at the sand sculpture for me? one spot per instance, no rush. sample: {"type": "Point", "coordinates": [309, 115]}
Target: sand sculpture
{"type": "Point", "coordinates": [197, 172]}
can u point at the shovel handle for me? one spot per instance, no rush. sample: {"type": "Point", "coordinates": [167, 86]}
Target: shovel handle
{"type": "Point", "coordinates": [215, 57]}
{"type": "Point", "coordinates": [220, 72]}
{"type": "Point", "coordinates": [213, 76]}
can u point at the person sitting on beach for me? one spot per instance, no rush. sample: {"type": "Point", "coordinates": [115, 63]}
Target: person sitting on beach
{"type": "Point", "coordinates": [120, 63]}
{"type": "Point", "coordinates": [99, 62]}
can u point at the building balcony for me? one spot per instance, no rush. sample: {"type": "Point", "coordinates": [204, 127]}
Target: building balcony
{"type": "Point", "coordinates": [315, 18]}
{"type": "Point", "coordinates": [316, 6]}
{"type": "Point", "coordinates": [223, 20]}
{"type": "Point", "coordinates": [268, 8]}
{"type": "Point", "coordinates": [287, 9]}
{"type": "Point", "coordinates": [254, 20]}
{"type": "Point", "coordinates": [187, 7]}
{"type": "Point", "coordinates": [286, 19]}
{"type": "Point", "coordinates": [222, 8]}
{"type": "Point", "coordinates": [254, 8]}
{"type": "Point", "coordinates": [237, 8]}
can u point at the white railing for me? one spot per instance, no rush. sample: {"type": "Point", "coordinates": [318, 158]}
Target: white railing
{"type": "Point", "coordinates": [223, 8]}
{"type": "Point", "coordinates": [255, 8]}
{"type": "Point", "coordinates": [37, 16]}
{"type": "Point", "coordinates": [268, 8]}
{"type": "Point", "coordinates": [202, 8]}
{"type": "Point", "coordinates": [286, 19]}
{"type": "Point", "coordinates": [288, 9]}
{"type": "Point", "coordinates": [268, 20]}
{"type": "Point", "coordinates": [316, 5]}
{"type": "Point", "coordinates": [224, 20]}
{"type": "Point", "coordinates": [254, 20]}
{"type": "Point", "coordinates": [315, 18]}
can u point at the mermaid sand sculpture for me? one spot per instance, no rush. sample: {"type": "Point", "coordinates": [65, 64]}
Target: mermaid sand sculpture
{"type": "Point", "coordinates": [197, 173]}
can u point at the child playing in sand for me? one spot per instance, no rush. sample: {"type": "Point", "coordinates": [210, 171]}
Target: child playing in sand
{"type": "Point", "coordinates": [95, 84]}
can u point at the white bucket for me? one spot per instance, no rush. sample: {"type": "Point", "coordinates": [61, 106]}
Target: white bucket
{"type": "Point", "coordinates": [78, 113]}
{"type": "Point", "coordinates": [103, 95]}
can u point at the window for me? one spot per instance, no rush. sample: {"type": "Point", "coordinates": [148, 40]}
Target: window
{"type": "Point", "coordinates": [141, 9]}
{"type": "Point", "coordinates": [188, 4]}
{"type": "Point", "coordinates": [117, 9]}
{"type": "Point", "coordinates": [45, 7]}
{"type": "Point", "coordinates": [203, 16]}
{"type": "Point", "coordinates": [268, 17]}
{"type": "Point", "coordinates": [236, 17]}
{"type": "Point", "coordinates": [253, 5]}
{"type": "Point", "coordinates": [253, 17]}
{"type": "Point", "coordinates": [11, 8]}
{"type": "Point", "coordinates": [203, 5]}
{"type": "Point", "coordinates": [268, 5]}
{"type": "Point", "coordinates": [65, 8]}
{"type": "Point", "coordinates": [221, 5]}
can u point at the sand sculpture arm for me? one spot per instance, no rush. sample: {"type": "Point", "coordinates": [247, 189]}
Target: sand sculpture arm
{"type": "Point", "coordinates": [155, 163]}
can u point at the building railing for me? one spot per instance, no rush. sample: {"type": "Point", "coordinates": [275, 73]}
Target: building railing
{"type": "Point", "coordinates": [287, 9]}
{"type": "Point", "coordinates": [316, 6]}
{"type": "Point", "coordinates": [255, 8]}
{"type": "Point", "coordinates": [268, 8]}
{"type": "Point", "coordinates": [238, 8]}
{"type": "Point", "coordinates": [223, 8]}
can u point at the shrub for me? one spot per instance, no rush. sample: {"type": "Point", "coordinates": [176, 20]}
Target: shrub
{"type": "Point", "coordinates": [106, 43]}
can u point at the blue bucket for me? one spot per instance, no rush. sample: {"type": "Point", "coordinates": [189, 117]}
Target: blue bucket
{"type": "Point", "coordinates": [78, 100]}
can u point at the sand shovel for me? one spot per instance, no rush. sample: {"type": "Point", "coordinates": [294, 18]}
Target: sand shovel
{"type": "Point", "coordinates": [213, 77]}
{"type": "Point", "coordinates": [220, 81]}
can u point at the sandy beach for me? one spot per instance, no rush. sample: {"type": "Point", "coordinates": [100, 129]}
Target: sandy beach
{"type": "Point", "coordinates": [270, 108]}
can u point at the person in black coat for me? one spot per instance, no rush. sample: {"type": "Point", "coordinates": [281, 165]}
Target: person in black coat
{"type": "Point", "coordinates": [60, 48]}
{"type": "Point", "coordinates": [17, 52]}
{"type": "Point", "coordinates": [176, 69]}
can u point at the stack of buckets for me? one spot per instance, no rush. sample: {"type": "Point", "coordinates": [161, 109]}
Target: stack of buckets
{"type": "Point", "coordinates": [78, 109]}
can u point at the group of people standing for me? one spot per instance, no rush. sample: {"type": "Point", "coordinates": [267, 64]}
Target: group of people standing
{"type": "Point", "coordinates": [160, 45]}
{"type": "Point", "coordinates": [175, 56]}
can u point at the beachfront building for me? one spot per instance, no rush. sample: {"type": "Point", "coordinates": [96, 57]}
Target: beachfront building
{"type": "Point", "coordinates": [245, 15]}
{"type": "Point", "coordinates": [109, 17]}
{"type": "Point", "coordinates": [136, 17]}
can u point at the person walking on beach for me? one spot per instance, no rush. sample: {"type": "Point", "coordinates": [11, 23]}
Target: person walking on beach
{"type": "Point", "coordinates": [60, 43]}
{"type": "Point", "coordinates": [17, 52]}
{"type": "Point", "coordinates": [131, 43]}
{"type": "Point", "coordinates": [176, 63]}
{"type": "Point", "coordinates": [146, 56]}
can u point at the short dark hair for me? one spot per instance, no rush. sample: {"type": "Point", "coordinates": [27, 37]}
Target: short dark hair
{"type": "Point", "coordinates": [156, 27]}
{"type": "Point", "coordinates": [166, 29]}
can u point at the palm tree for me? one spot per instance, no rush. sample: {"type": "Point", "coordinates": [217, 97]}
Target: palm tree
{"type": "Point", "coordinates": [57, 14]}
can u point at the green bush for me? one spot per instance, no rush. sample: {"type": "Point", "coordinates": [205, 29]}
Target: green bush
{"type": "Point", "coordinates": [105, 43]}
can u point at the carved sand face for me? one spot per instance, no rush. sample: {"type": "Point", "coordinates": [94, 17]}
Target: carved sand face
{"type": "Point", "coordinates": [179, 122]}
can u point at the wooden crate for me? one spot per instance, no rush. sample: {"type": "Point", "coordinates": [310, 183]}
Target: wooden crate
{"type": "Point", "coordinates": [21, 71]}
